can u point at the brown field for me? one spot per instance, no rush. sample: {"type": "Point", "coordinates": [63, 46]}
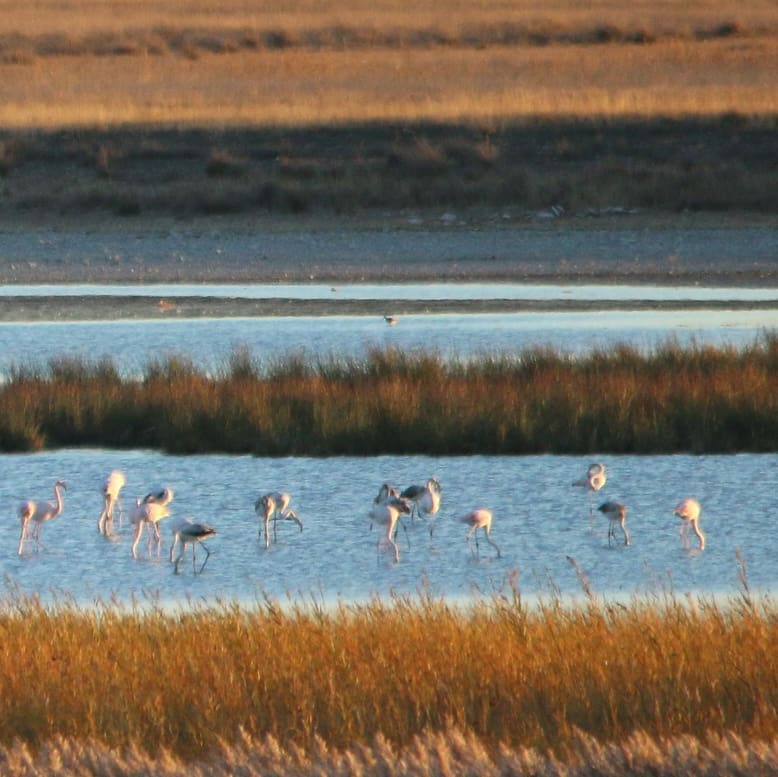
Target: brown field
{"type": "Point", "coordinates": [305, 63]}
{"type": "Point", "coordinates": [182, 108]}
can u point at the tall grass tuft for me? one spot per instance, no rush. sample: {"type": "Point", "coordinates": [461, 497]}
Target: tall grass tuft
{"type": "Point", "coordinates": [498, 680]}
{"type": "Point", "coordinates": [674, 398]}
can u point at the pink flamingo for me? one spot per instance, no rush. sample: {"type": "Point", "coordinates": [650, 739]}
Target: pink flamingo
{"type": "Point", "coordinates": [145, 514]}
{"type": "Point", "coordinates": [593, 481]}
{"type": "Point", "coordinates": [275, 505]}
{"type": "Point", "coordinates": [688, 510]}
{"type": "Point", "coordinates": [111, 490]}
{"type": "Point", "coordinates": [387, 515]}
{"type": "Point", "coordinates": [480, 518]}
{"type": "Point", "coordinates": [39, 513]}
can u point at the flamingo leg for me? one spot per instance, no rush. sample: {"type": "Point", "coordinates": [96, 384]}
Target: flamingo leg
{"type": "Point", "coordinates": [493, 544]}
{"type": "Point", "coordinates": [180, 556]}
{"type": "Point", "coordinates": [22, 535]}
{"type": "Point", "coordinates": [136, 538]}
{"type": "Point", "coordinates": [207, 556]}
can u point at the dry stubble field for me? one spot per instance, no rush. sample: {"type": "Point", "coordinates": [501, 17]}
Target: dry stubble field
{"type": "Point", "coordinates": [164, 118]}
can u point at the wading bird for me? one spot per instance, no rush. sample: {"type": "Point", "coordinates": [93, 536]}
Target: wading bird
{"type": "Point", "coordinates": [111, 489]}
{"type": "Point", "coordinates": [480, 518]}
{"type": "Point", "coordinates": [162, 497]}
{"type": "Point", "coordinates": [147, 514]}
{"type": "Point", "coordinates": [38, 513]}
{"type": "Point", "coordinates": [186, 533]}
{"type": "Point", "coordinates": [594, 480]}
{"type": "Point", "coordinates": [275, 505]}
{"type": "Point", "coordinates": [264, 507]}
{"type": "Point", "coordinates": [387, 515]}
{"type": "Point", "coordinates": [424, 499]}
{"type": "Point", "coordinates": [386, 493]}
{"type": "Point", "coordinates": [688, 510]}
{"type": "Point", "coordinates": [616, 513]}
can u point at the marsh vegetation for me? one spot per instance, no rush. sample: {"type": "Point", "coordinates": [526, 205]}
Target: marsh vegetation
{"type": "Point", "coordinates": [297, 107]}
{"type": "Point", "coordinates": [671, 680]}
{"type": "Point", "coordinates": [692, 399]}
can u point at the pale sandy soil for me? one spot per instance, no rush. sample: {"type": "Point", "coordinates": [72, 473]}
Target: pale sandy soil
{"type": "Point", "coordinates": [633, 248]}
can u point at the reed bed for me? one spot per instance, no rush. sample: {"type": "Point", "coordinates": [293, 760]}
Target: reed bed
{"type": "Point", "coordinates": [451, 752]}
{"type": "Point", "coordinates": [659, 682]}
{"type": "Point", "coordinates": [694, 399]}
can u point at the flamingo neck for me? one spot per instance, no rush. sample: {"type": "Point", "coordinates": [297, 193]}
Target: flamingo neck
{"type": "Point", "coordinates": [700, 536]}
{"type": "Point", "coordinates": [58, 497]}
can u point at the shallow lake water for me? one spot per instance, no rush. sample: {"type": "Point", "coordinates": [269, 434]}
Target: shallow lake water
{"type": "Point", "coordinates": [209, 342]}
{"type": "Point", "coordinates": [541, 522]}
{"type": "Point", "coordinates": [394, 291]}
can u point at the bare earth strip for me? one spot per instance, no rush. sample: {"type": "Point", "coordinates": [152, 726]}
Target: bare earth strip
{"type": "Point", "coordinates": [633, 249]}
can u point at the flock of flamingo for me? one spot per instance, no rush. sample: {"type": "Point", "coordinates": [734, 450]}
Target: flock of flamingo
{"type": "Point", "coordinates": [387, 511]}
{"type": "Point", "coordinates": [688, 510]}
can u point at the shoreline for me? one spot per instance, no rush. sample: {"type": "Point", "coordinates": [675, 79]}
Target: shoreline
{"type": "Point", "coordinates": [642, 248]}
{"type": "Point", "coordinates": [29, 309]}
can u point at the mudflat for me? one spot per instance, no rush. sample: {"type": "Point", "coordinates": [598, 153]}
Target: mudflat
{"type": "Point", "coordinates": [541, 247]}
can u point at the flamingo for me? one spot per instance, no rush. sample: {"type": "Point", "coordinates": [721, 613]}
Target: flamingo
{"type": "Point", "coordinates": [275, 505]}
{"type": "Point", "coordinates": [387, 514]}
{"type": "Point", "coordinates": [162, 497]}
{"type": "Point", "coordinates": [593, 481]}
{"type": "Point", "coordinates": [424, 498]}
{"type": "Point", "coordinates": [39, 513]}
{"type": "Point", "coordinates": [386, 494]}
{"type": "Point", "coordinates": [111, 489]}
{"type": "Point", "coordinates": [188, 533]}
{"type": "Point", "coordinates": [688, 510]}
{"type": "Point", "coordinates": [616, 513]}
{"type": "Point", "coordinates": [147, 514]}
{"type": "Point", "coordinates": [264, 507]}
{"type": "Point", "coordinates": [480, 518]}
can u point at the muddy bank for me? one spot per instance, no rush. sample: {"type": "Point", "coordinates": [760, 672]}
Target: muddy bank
{"type": "Point", "coordinates": [106, 308]}
{"type": "Point", "coordinates": [633, 248]}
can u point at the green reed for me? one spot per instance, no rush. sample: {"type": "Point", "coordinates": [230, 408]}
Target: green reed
{"type": "Point", "coordinates": [194, 680]}
{"type": "Point", "coordinates": [673, 398]}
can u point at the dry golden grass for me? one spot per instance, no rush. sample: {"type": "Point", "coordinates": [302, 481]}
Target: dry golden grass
{"type": "Point", "coordinates": [411, 680]}
{"type": "Point", "coordinates": [451, 752]}
{"type": "Point", "coordinates": [306, 63]}
{"type": "Point", "coordinates": [83, 17]}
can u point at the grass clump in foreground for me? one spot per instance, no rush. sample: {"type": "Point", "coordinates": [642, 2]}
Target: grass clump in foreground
{"type": "Point", "coordinates": [695, 398]}
{"type": "Point", "coordinates": [416, 679]}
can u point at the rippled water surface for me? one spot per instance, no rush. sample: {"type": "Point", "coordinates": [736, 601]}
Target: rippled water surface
{"type": "Point", "coordinates": [392, 291]}
{"type": "Point", "coordinates": [209, 342]}
{"type": "Point", "coordinates": [540, 522]}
